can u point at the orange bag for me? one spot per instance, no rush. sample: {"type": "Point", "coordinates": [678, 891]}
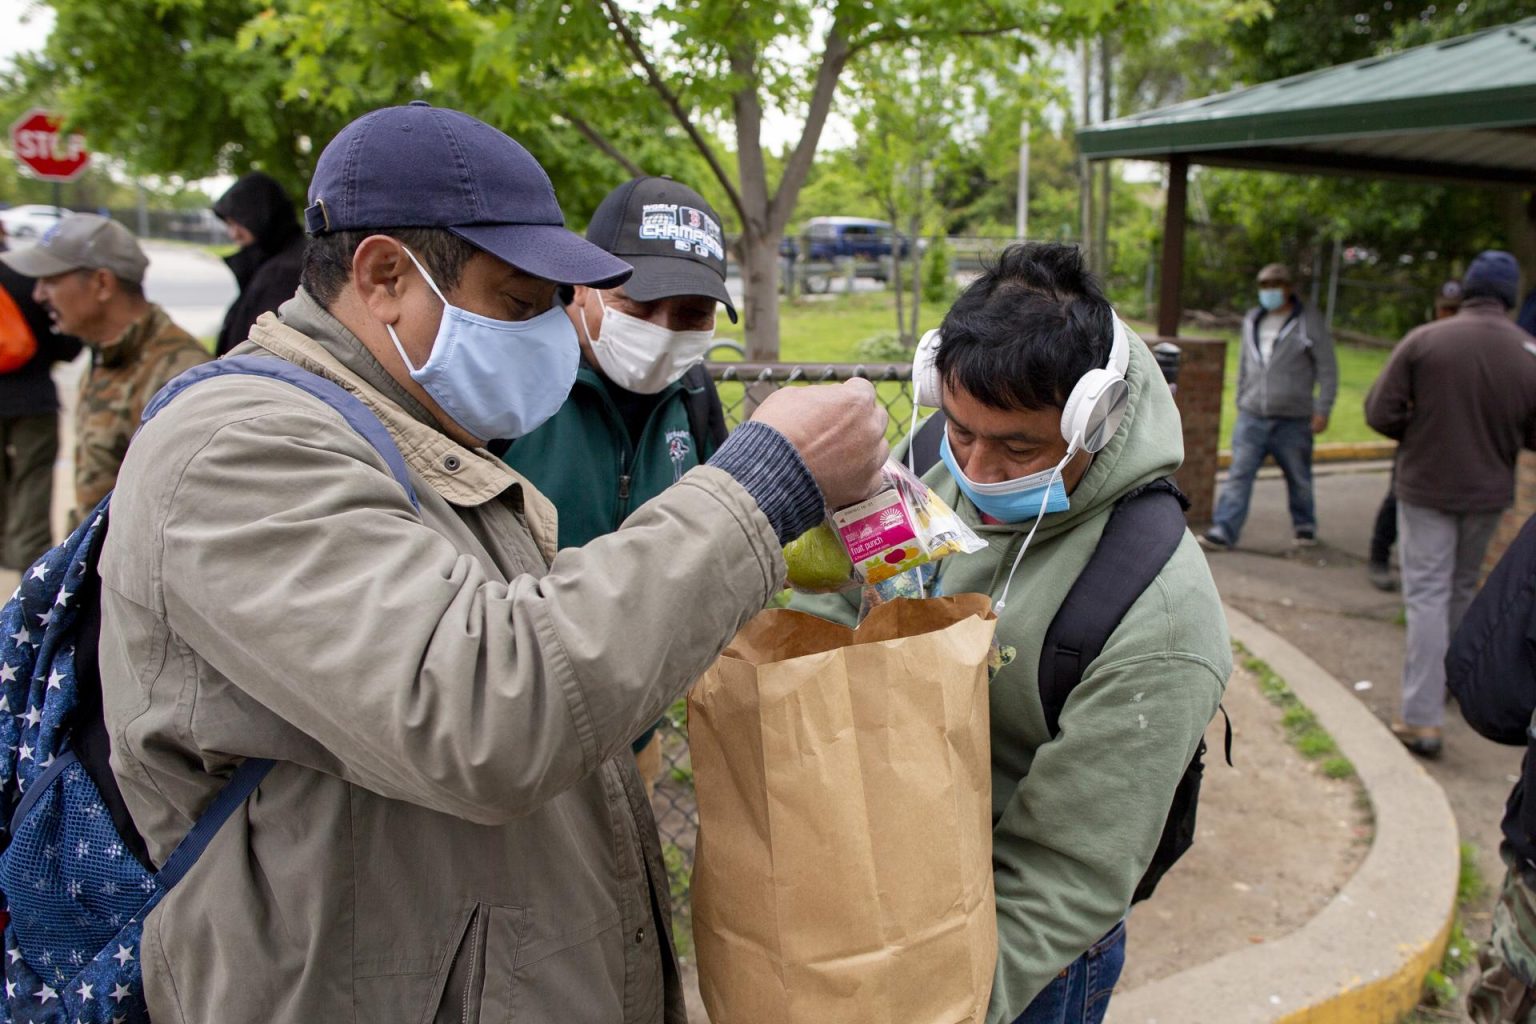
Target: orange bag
{"type": "Point", "coordinates": [17, 342]}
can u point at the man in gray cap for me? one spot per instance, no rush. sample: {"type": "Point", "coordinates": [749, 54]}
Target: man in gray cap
{"type": "Point", "coordinates": [89, 276]}
{"type": "Point", "coordinates": [1459, 397]}
{"type": "Point", "coordinates": [453, 828]}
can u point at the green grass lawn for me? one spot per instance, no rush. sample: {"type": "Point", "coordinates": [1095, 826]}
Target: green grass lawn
{"type": "Point", "coordinates": [828, 329]}
{"type": "Point", "coordinates": [825, 329]}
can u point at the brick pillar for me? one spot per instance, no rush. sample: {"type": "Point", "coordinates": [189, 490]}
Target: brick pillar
{"type": "Point", "coordinates": [1202, 372]}
{"type": "Point", "coordinates": [1524, 508]}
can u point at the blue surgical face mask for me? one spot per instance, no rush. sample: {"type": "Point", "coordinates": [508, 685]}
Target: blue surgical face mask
{"type": "Point", "coordinates": [1013, 501]}
{"type": "Point", "coordinates": [497, 379]}
{"type": "Point", "coordinates": [1271, 298]}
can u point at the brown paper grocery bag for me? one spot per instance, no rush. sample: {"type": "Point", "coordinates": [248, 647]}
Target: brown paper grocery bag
{"type": "Point", "coordinates": [843, 873]}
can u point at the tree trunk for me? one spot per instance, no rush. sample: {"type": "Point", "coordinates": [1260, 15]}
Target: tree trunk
{"type": "Point", "coordinates": [760, 293]}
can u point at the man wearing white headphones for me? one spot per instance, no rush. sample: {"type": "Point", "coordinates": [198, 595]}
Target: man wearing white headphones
{"type": "Point", "coordinates": [1055, 413]}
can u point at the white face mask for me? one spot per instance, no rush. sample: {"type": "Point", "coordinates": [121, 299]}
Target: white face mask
{"type": "Point", "coordinates": [640, 356]}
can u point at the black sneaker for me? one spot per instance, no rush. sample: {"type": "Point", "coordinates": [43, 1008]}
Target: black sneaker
{"type": "Point", "coordinates": [1425, 740]}
{"type": "Point", "coordinates": [1214, 540]}
{"type": "Point", "coordinates": [1305, 539]}
{"type": "Point", "coordinates": [1381, 576]}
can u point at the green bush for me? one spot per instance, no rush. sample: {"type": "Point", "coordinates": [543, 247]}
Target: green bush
{"type": "Point", "coordinates": [884, 347]}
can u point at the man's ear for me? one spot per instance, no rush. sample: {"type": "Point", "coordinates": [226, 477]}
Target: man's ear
{"type": "Point", "coordinates": [379, 269]}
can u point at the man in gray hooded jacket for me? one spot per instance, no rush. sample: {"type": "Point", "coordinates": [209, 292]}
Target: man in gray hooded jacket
{"type": "Point", "coordinates": [1287, 379]}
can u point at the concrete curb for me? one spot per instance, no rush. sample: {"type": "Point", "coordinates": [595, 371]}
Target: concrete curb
{"type": "Point", "coordinates": [1364, 956]}
{"type": "Point", "coordinates": [1338, 451]}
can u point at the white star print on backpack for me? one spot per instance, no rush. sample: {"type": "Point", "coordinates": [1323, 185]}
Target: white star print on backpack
{"type": "Point", "coordinates": [74, 873]}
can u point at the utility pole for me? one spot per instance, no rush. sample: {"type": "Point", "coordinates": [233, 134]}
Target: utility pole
{"type": "Point", "coordinates": [1101, 234]}
{"type": "Point", "coordinates": [1021, 223]}
{"type": "Point", "coordinates": [1084, 171]}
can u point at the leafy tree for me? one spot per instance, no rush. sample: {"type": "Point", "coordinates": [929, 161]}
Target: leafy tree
{"type": "Point", "coordinates": [231, 85]}
{"type": "Point", "coordinates": [1303, 35]}
{"type": "Point", "coordinates": [727, 63]}
{"type": "Point", "coordinates": [1409, 237]}
{"type": "Point", "coordinates": [598, 89]}
{"type": "Point", "coordinates": [906, 110]}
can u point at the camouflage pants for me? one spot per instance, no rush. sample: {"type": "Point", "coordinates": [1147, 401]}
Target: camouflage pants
{"type": "Point", "coordinates": [1504, 994]}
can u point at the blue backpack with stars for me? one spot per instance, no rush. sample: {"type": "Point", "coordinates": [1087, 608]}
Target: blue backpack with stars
{"type": "Point", "coordinates": [76, 876]}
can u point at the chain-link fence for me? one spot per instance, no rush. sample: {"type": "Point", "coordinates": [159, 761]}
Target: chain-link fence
{"type": "Point", "coordinates": [742, 386]}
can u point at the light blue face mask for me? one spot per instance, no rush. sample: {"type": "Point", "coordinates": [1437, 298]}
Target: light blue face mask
{"type": "Point", "coordinates": [497, 379]}
{"type": "Point", "coordinates": [1271, 298]}
{"type": "Point", "coordinates": [1013, 501]}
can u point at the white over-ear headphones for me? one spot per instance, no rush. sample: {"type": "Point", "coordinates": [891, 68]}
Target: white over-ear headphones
{"type": "Point", "coordinates": [927, 389]}
{"type": "Point", "coordinates": [1093, 411]}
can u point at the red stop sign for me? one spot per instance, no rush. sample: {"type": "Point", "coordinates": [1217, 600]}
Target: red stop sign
{"type": "Point", "coordinates": [44, 151]}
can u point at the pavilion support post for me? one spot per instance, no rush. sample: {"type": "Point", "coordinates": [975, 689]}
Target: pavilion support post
{"type": "Point", "coordinates": [1170, 302]}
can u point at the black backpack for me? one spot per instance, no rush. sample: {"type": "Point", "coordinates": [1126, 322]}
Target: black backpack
{"type": "Point", "coordinates": [1145, 528]}
{"type": "Point", "coordinates": [706, 417]}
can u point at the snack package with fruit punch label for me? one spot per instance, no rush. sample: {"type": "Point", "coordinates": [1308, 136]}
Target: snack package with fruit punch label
{"type": "Point", "coordinates": [902, 527]}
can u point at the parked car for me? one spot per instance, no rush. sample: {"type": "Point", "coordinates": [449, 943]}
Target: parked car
{"type": "Point", "coordinates": [825, 239]}
{"type": "Point", "coordinates": [31, 220]}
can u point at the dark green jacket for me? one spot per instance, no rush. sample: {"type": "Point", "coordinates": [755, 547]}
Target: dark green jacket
{"type": "Point", "coordinates": [584, 461]}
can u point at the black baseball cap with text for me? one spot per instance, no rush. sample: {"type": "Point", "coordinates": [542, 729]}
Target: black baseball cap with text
{"type": "Point", "coordinates": [669, 234]}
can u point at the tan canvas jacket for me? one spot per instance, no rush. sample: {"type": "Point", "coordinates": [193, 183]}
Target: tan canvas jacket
{"type": "Point", "coordinates": [454, 830]}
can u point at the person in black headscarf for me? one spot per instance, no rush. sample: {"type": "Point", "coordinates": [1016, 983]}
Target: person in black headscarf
{"type": "Point", "coordinates": [260, 218]}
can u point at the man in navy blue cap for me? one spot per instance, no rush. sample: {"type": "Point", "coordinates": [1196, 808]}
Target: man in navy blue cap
{"type": "Point", "coordinates": [1459, 397]}
{"type": "Point", "coordinates": [454, 828]}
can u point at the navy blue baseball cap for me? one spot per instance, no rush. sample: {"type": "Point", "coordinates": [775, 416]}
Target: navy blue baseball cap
{"type": "Point", "coordinates": [421, 166]}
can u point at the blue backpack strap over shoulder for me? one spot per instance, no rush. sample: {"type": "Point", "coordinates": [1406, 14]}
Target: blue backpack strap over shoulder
{"type": "Point", "coordinates": [358, 416]}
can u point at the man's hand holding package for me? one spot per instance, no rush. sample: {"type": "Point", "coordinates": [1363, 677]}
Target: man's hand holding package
{"type": "Point", "coordinates": [839, 431]}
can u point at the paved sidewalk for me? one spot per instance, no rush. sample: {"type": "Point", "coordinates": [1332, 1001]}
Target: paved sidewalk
{"type": "Point", "coordinates": [1321, 602]}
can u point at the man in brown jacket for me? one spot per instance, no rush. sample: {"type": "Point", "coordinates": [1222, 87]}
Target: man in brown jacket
{"type": "Point", "coordinates": [1459, 397]}
{"type": "Point", "coordinates": [454, 830]}
{"type": "Point", "coordinates": [90, 279]}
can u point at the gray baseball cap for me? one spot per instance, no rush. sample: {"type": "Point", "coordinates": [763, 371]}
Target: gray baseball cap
{"type": "Point", "coordinates": [82, 241]}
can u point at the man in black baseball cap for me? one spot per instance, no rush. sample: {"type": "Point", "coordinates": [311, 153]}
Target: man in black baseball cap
{"type": "Point", "coordinates": [452, 827]}
{"type": "Point", "coordinates": [644, 410]}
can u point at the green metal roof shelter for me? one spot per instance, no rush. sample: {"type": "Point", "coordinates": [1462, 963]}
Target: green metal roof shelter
{"type": "Point", "coordinates": [1463, 110]}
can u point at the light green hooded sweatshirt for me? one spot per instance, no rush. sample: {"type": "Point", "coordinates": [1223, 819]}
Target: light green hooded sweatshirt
{"type": "Point", "coordinates": [1076, 817]}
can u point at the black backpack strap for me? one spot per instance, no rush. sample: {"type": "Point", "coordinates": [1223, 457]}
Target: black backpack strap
{"type": "Point", "coordinates": [706, 417]}
{"type": "Point", "coordinates": [1143, 531]}
{"type": "Point", "coordinates": [924, 449]}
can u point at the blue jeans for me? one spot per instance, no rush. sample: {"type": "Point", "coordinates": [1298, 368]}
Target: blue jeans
{"type": "Point", "coordinates": [1080, 994]}
{"type": "Point", "coordinates": [1289, 440]}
